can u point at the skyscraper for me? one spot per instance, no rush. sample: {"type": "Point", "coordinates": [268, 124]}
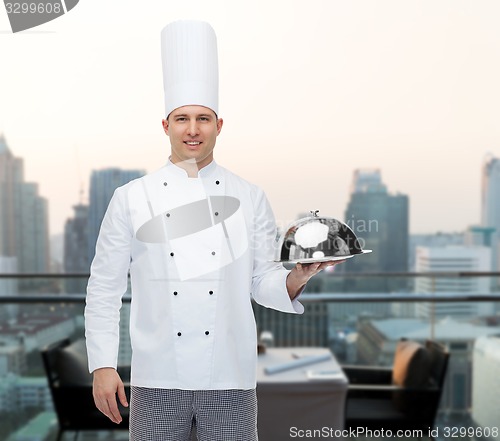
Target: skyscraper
{"type": "Point", "coordinates": [490, 204]}
{"type": "Point", "coordinates": [76, 237]}
{"type": "Point", "coordinates": [10, 173]}
{"type": "Point", "coordinates": [380, 220]}
{"type": "Point", "coordinates": [24, 231]}
{"type": "Point", "coordinates": [8, 287]}
{"type": "Point", "coordinates": [103, 183]}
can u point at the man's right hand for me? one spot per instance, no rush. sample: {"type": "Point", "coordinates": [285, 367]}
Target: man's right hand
{"type": "Point", "coordinates": [107, 383]}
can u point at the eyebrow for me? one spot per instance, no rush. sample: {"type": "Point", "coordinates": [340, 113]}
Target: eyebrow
{"type": "Point", "coordinates": [186, 115]}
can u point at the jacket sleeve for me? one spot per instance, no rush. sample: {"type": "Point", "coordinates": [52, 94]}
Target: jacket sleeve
{"type": "Point", "coordinates": [269, 278]}
{"type": "Point", "coordinates": [107, 284]}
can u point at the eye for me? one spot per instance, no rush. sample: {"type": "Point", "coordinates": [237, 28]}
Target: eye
{"type": "Point", "coordinates": [204, 118]}
{"type": "Point", "coordinates": [181, 119]}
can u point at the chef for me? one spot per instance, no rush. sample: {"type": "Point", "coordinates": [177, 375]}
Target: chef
{"type": "Point", "coordinates": [198, 243]}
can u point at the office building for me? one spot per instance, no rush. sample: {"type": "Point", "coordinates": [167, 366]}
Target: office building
{"type": "Point", "coordinates": [10, 174]}
{"type": "Point", "coordinates": [76, 258]}
{"type": "Point", "coordinates": [7, 392]}
{"type": "Point", "coordinates": [57, 253]}
{"type": "Point", "coordinates": [24, 232]}
{"type": "Point", "coordinates": [380, 221]}
{"type": "Point", "coordinates": [12, 360]}
{"type": "Point", "coordinates": [33, 392]}
{"type": "Point", "coordinates": [453, 259]}
{"type": "Point", "coordinates": [439, 239]}
{"type": "Point", "coordinates": [486, 383]}
{"type": "Point", "coordinates": [33, 252]}
{"type": "Point", "coordinates": [345, 315]}
{"type": "Point", "coordinates": [8, 287]}
{"type": "Point", "coordinates": [490, 204]}
{"type": "Point", "coordinates": [36, 331]}
{"type": "Point", "coordinates": [478, 235]}
{"type": "Point", "coordinates": [103, 183]}
{"type": "Point", "coordinates": [309, 329]}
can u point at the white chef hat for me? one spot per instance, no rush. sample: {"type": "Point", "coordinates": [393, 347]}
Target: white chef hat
{"type": "Point", "coordinates": [190, 65]}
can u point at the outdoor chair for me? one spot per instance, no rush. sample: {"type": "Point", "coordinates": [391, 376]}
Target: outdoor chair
{"type": "Point", "coordinates": [71, 388]}
{"type": "Point", "coordinates": [405, 396]}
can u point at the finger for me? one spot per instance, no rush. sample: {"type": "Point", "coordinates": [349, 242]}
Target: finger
{"type": "Point", "coordinates": [321, 266]}
{"type": "Point", "coordinates": [103, 406]}
{"type": "Point", "coordinates": [113, 409]}
{"type": "Point", "coordinates": [121, 395]}
{"type": "Point", "coordinates": [334, 262]}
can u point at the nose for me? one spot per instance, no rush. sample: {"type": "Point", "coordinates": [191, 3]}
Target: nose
{"type": "Point", "coordinates": [193, 127]}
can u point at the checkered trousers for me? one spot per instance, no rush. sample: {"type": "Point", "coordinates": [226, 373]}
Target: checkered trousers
{"type": "Point", "coordinates": [173, 414]}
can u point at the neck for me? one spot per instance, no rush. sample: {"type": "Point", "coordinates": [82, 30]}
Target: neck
{"type": "Point", "coordinates": [190, 166]}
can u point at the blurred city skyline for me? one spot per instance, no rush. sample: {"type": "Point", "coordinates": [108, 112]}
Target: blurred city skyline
{"type": "Point", "coordinates": [308, 95]}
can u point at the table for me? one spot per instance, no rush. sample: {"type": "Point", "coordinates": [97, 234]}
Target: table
{"type": "Point", "coordinates": [290, 401]}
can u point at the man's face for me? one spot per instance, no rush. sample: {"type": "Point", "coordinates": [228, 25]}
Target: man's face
{"type": "Point", "coordinates": [193, 131]}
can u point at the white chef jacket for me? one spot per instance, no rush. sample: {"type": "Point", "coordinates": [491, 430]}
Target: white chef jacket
{"type": "Point", "coordinates": [198, 249]}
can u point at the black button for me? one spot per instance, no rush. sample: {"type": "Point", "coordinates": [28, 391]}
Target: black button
{"type": "Point", "coordinates": [175, 293]}
{"type": "Point", "coordinates": [206, 332]}
{"type": "Point", "coordinates": [210, 292]}
{"type": "Point", "coordinates": [179, 334]}
{"type": "Point", "coordinates": [172, 254]}
{"type": "Point", "coordinates": [216, 213]}
{"type": "Point", "coordinates": [168, 214]}
{"type": "Point", "coordinates": [165, 184]}
{"type": "Point", "coordinates": [217, 182]}
{"type": "Point", "coordinates": [213, 253]}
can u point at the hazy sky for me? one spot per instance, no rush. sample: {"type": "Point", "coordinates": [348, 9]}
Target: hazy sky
{"type": "Point", "coordinates": [309, 91]}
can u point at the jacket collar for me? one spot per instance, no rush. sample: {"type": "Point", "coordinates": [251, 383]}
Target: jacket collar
{"type": "Point", "coordinates": [202, 173]}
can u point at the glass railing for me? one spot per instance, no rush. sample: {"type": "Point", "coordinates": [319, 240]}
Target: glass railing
{"type": "Point", "coordinates": [360, 317]}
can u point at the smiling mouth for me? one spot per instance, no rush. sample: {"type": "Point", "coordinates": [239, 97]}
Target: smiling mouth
{"type": "Point", "coordinates": [192, 143]}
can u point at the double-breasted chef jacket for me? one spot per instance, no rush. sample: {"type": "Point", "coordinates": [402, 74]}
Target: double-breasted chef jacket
{"type": "Point", "coordinates": [198, 250]}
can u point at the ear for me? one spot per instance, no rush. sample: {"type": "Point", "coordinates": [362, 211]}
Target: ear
{"type": "Point", "coordinates": [219, 125]}
{"type": "Point", "coordinates": [164, 123]}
